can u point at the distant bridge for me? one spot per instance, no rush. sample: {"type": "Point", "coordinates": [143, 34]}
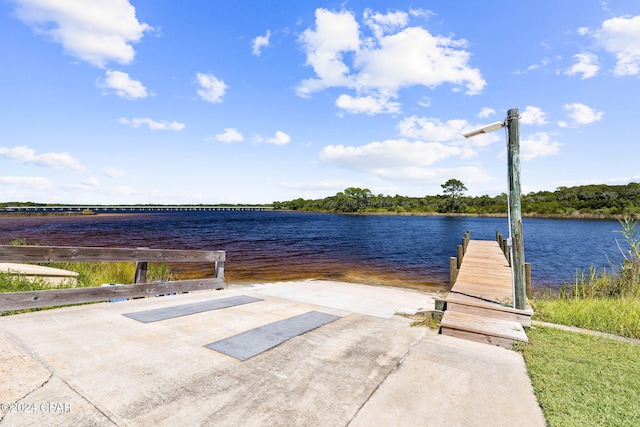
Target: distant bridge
{"type": "Point", "coordinates": [131, 208]}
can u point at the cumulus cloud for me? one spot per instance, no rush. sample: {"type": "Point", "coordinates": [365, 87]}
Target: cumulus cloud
{"type": "Point", "coordinates": [586, 65]}
{"type": "Point", "coordinates": [582, 114]}
{"type": "Point", "coordinates": [367, 104]}
{"type": "Point", "coordinates": [229, 136]}
{"type": "Point", "coordinates": [401, 161]}
{"type": "Point", "coordinates": [533, 116]}
{"type": "Point", "coordinates": [621, 37]}
{"type": "Point", "coordinates": [94, 31]}
{"type": "Point", "coordinates": [280, 138]}
{"type": "Point", "coordinates": [152, 124]}
{"type": "Point", "coordinates": [389, 154]}
{"type": "Point", "coordinates": [393, 57]}
{"type": "Point", "coordinates": [260, 43]}
{"type": "Point", "coordinates": [35, 182]}
{"type": "Point", "coordinates": [210, 88]}
{"type": "Point", "coordinates": [382, 24]}
{"type": "Point", "coordinates": [122, 85]}
{"type": "Point", "coordinates": [430, 129]}
{"type": "Point", "coordinates": [23, 154]}
{"type": "Point", "coordinates": [538, 145]}
{"type": "Point", "coordinates": [486, 112]}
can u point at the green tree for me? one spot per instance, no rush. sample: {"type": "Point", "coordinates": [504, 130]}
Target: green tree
{"type": "Point", "coordinates": [453, 188]}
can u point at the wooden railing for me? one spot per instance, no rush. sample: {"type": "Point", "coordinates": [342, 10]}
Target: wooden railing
{"type": "Point", "coordinates": [456, 261]}
{"type": "Point", "coordinates": [141, 256]}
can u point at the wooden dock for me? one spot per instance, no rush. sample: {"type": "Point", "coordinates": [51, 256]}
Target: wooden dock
{"type": "Point", "coordinates": [479, 306]}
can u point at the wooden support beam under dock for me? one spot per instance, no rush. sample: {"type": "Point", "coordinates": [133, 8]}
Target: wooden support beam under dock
{"type": "Point", "coordinates": [480, 304]}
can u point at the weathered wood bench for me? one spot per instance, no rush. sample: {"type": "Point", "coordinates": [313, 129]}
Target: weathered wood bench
{"type": "Point", "coordinates": [141, 256]}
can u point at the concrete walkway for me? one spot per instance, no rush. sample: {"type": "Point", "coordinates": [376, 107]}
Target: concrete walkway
{"type": "Point", "coordinates": [91, 365]}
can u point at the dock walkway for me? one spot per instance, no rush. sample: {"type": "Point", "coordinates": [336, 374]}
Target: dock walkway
{"type": "Point", "coordinates": [480, 303]}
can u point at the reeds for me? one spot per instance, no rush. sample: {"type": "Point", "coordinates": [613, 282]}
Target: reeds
{"type": "Point", "coordinates": [602, 300]}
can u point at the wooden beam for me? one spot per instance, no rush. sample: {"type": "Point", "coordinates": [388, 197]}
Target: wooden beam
{"type": "Point", "coordinates": [55, 297]}
{"type": "Point", "coordinates": [11, 253]}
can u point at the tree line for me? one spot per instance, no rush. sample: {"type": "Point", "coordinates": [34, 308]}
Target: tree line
{"type": "Point", "coordinates": [597, 200]}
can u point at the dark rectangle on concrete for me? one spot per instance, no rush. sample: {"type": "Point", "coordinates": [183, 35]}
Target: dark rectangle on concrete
{"type": "Point", "coordinates": [250, 343]}
{"type": "Point", "coordinates": [186, 309]}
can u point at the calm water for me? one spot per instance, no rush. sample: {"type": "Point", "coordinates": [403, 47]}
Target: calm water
{"type": "Point", "coordinates": [268, 246]}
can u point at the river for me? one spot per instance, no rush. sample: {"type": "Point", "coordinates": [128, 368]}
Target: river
{"type": "Point", "coordinates": [411, 251]}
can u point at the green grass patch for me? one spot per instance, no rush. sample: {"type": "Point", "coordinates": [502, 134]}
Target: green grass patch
{"type": "Point", "coordinates": [618, 316]}
{"type": "Point", "coordinates": [583, 380]}
{"type": "Point", "coordinates": [90, 274]}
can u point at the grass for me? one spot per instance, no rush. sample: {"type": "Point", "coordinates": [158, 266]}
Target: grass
{"type": "Point", "coordinates": [90, 274]}
{"type": "Point", "coordinates": [618, 316]}
{"type": "Point", "coordinates": [583, 380]}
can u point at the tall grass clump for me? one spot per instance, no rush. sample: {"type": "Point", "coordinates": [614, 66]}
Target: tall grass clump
{"type": "Point", "coordinates": [606, 300]}
{"type": "Point", "coordinates": [97, 273]}
{"type": "Point", "coordinates": [89, 274]}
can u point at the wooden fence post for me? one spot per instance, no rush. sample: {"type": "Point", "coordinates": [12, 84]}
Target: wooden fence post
{"type": "Point", "coordinates": [141, 273]}
{"type": "Point", "coordinates": [527, 273]}
{"type": "Point", "coordinates": [453, 271]}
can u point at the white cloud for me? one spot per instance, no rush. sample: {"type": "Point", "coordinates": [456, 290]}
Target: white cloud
{"type": "Point", "coordinates": [583, 31]}
{"type": "Point", "coordinates": [114, 172]}
{"type": "Point", "coordinates": [401, 161]}
{"type": "Point", "coordinates": [336, 33]}
{"type": "Point", "coordinates": [152, 124]}
{"type": "Point", "coordinates": [91, 182]}
{"type": "Point", "coordinates": [430, 129]}
{"type": "Point", "coordinates": [229, 136]}
{"type": "Point", "coordinates": [260, 42]}
{"type": "Point", "coordinates": [384, 24]}
{"type": "Point", "coordinates": [392, 58]}
{"type": "Point", "coordinates": [425, 101]}
{"type": "Point", "coordinates": [538, 145]}
{"type": "Point", "coordinates": [582, 114]}
{"type": "Point", "coordinates": [486, 112]}
{"type": "Point", "coordinates": [533, 116]}
{"type": "Point", "coordinates": [123, 85]}
{"type": "Point", "coordinates": [95, 31]}
{"type": "Point", "coordinates": [390, 154]}
{"type": "Point", "coordinates": [416, 57]}
{"type": "Point", "coordinates": [621, 37]}
{"type": "Point", "coordinates": [532, 67]}
{"type": "Point", "coordinates": [586, 65]}
{"type": "Point", "coordinates": [367, 104]}
{"type": "Point", "coordinates": [35, 182]}
{"type": "Point", "coordinates": [280, 138]}
{"type": "Point", "coordinates": [211, 89]}
{"type": "Point", "coordinates": [23, 154]}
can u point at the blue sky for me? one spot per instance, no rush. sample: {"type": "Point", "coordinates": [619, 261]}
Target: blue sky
{"type": "Point", "coordinates": [157, 101]}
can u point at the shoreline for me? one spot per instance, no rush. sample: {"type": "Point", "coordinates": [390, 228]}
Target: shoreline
{"type": "Point", "coordinates": [584, 216]}
{"type": "Point", "coordinates": [478, 215]}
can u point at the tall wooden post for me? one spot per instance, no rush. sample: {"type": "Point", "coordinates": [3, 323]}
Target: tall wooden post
{"type": "Point", "coordinates": [515, 213]}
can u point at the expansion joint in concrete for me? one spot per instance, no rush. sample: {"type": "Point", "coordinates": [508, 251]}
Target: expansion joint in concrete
{"type": "Point", "coordinates": [396, 366]}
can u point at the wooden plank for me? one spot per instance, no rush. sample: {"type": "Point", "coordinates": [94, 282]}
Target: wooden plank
{"type": "Point", "coordinates": [484, 326]}
{"type": "Point", "coordinates": [484, 272]}
{"type": "Point", "coordinates": [485, 339]}
{"type": "Point", "coordinates": [48, 298]}
{"type": "Point", "coordinates": [466, 304]}
{"type": "Point", "coordinates": [10, 253]}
